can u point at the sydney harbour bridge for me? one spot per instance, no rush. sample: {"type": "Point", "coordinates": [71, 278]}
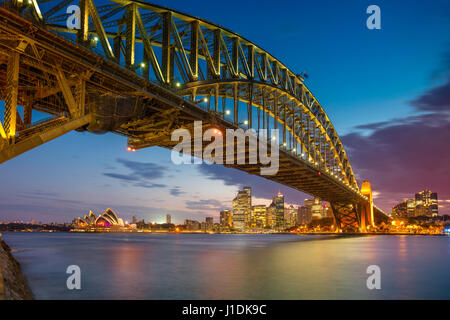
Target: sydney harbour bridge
{"type": "Point", "coordinates": [142, 71]}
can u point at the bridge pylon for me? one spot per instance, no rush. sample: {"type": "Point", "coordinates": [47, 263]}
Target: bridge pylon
{"type": "Point", "coordinates": [367, 216]}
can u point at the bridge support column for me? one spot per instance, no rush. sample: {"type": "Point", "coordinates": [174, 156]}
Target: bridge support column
{"type": "Point", "coordinates": [367, 206]}
{"type": "Point", "coordinates": [346, 216]}
{"type": "Point", "coordinates": [12, 91]}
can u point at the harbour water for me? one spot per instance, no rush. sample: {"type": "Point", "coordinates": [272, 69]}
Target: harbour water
{"type": "Point", "coordinates": [224, 266]}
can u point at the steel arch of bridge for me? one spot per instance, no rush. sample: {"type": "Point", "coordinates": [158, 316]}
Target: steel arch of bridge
{"type": "Point", "coordinates": [181, 56]}
{"type": "Point", "coordinates": [181, 51]}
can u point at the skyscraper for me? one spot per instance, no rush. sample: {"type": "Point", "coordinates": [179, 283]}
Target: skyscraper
{"type": "Point", "coordinates": [271, 215]}
{"type": "Point", "coordinates": [226, 219]}
{"type": "Point", "coordinates": [209, 223]}
{"type": "Point", "coordinates": [168, 219]}
{"type": "Point", "coordinates": [304, 215]}
{"type": "Point", "coordinates": [242, 209]}
{"type": "Point", "coordinates": [316, 207]}
{"type": "Point", "coordinates": [428, 202]}
{"type": "Point", "coordinates": [278, 201]}
{"type": "Point", "coordinates": [260, 216]}
{"type": "Point", "coordinates": [290, 217]}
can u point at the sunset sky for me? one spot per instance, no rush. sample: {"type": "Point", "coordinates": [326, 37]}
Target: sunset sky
{"type": "Point", "coordinates": [386, 91]}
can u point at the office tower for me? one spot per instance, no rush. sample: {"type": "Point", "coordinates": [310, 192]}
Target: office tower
{"type": "Point", "coordinates": [290, 217]}
{"type": "Point", "coordinates": [242, 209]}
{"type": "Point", "coordinates": [271, 215]}
{"type": "Point", "coordinates": [278, 201]}
{"type": "Point", "coordinates": [259, 216]}
{"type": "Point", "coordinates": [304, 215]}
{"type": "Point", "coordinates": [316, 208]}
{"type": "Point", "coordinates": [209, 223]}
{"type": "Point", "coordinates": [427, 202]}
{"type": "Point", "coordinates": [134, 220]}
{"type": "Point", "coordinates": [226, 219]}
{"type": "Point", "coordinates": [192, 225]}
{"type": "Point", "coordinates": [168, 219]}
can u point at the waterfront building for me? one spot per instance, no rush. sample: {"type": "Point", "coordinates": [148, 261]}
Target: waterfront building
{"type": "Point", "coordinates": [428, 202]}
{"type": "Point", "coordinates": [209, 223]}
{"type": "Point", "coordinates": [108, 221]}
{"type": "Point", "coordinates": [134, 220]}
{"type": "Point", "coordinates": [399, 210]}
{"type": "Point", "coordinates": [290, 218]}
{"type": "Point", "coordinates": [168, 219]}
{"type": "Point", "coordinates": [242, 209]}
{"type": "Point", "coordinates": [271, 215]}
{"type": "Point", "coordinates": [192, 225]}
{"type": "Point", "coordinates": [226, 219]}
{"type": "Point", "coordinates": [304, 215]}
{"type": "Point", "coordinates": [315, 206]}
{"type": "Point", "coordinates": [425, 203]}
{"type": "Point", "coordinates": [259, 214]}
{"type": "Point", "coordinates": [278, 201]}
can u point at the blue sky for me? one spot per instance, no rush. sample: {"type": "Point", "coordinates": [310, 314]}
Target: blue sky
{"type": "Point", "coordinates": [360, 77]}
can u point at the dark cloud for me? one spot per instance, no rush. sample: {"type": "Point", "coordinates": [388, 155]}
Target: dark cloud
{"type": "Point", "coordinates": [373, 126]}
{"type": "Point", "coordinates": [435, 100]}
{"type": "Point", "coordinates": [176, 191]}
{"type": "Point", "coordinates": [142, 174]}
{"type": "Point", "coordinates": [210, 204]}
{"type": "Point", "coordinates": [261, 187]}
{"type": "Point", "coordinates": [409, 154]}
{"type": "Point", "coordinates": [145, 170]}
{"type": "Point", "coordinates": [121, 176]}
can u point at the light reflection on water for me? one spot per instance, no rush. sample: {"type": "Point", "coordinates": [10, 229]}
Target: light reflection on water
{"type": "Point", "coordinates": [204, 266]}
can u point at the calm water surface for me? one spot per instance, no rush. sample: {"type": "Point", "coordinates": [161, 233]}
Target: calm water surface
{"type": "Point", "coordinates": [204, 266]}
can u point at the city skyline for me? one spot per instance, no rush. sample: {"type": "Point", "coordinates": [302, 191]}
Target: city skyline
{"type": "Point", "coordinates": [405, 120]}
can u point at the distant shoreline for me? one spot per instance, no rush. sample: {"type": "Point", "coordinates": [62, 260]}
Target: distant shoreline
{"type": "Point", "coordinates": [238, 233]}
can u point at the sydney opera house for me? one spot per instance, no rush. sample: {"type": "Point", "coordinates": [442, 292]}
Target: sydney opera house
{"type": "Point", "coordinates": [107, 221]}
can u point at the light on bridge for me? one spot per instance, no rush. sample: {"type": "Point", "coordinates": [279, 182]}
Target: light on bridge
{"type": "Point", "coordinates": [178, 84]}
{"type": "Point", "coordinates": [217, 131]}
{"type": "Point", "coordinates": [131, 149]}
{"type": "Point", "coordinates": [227, 112]}
{"type": "Point", "coordinates": [246, 122]}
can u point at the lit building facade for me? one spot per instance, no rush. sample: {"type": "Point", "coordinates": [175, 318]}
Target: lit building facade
{"type": "Point", "coordinates": [428, 202]}
{"type": "Point", "coordinates": [316, 208]}
{"type": "Point", "coordinates": [304, 215]}
{"type": "Point", "coordinates": [425, 203]}
{"type": "Point", "coordinates": [290, 218]}
{"type": "Point", "coordinates": [259, 215]}
{"type": "Point", "coordinates": [107, 221]}
{"type": "Point", "coordinates": [209, 223]}
{"type": "Point", "coordinates": [226, 219]}
{"type": "Point", "coordinates": [271, 215]}
{"type": "Point", "coordinates": [242, 209]}
{"type": "Point", "coordinates": [278, 201]}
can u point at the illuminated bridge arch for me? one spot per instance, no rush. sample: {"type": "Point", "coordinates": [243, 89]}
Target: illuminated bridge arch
{"type": "Point", "coordinates": [198, 58]}
{"type": "Point", "coordinates": [143, 70]}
